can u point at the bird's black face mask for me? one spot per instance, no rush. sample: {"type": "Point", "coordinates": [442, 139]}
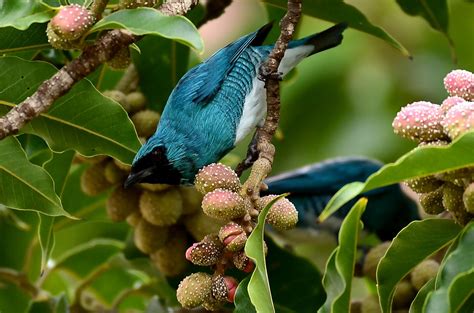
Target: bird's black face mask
{"type": "Point", "coordinates": [153, 168]}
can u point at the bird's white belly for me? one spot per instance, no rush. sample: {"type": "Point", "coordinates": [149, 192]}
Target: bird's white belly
{"type": "Point", "coordinates": [255, 105]}
{"type": "Point", "coordinates": [255, 108]}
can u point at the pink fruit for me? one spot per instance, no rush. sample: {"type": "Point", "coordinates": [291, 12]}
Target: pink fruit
{"type": "Point", "coordinates": [449, 102]}
{"type": "Point", "coordinates": [460, 83]}
{"type": "Point", "coordinates": [72, 21]}
{"type": "Point", "coordinates": [459, 119]}
{"type": "Point", "coordinates": [419, 121]}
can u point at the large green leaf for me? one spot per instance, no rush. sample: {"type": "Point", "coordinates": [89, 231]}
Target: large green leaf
{"type": "Point", "coordinates": [58, 168]}
{"type": "Point", "coordinates": [421, 161]}
{"type": "Point", "coordinates": [337, 280]}
{"type": "Point", "coordinates": [417, 303]}
{"type": "Point", "coordinates": [83, 119]}
{"type": "Point", "coordinates": [242, 299]}
{"type": "Point", "coordinates": [160, 64]}
{"type": "Point", "coordinates": [25, 186]}
{"type": "Point", "coordinates": [14, 40]}
{"type": "Point", "coordinates": [37, 150]}
{"type": "Point", "coordinates": [259, 286]}
{"type": "Point", "coordinates": [415, 242]}
{"type": "Point", "coordinates": [435, 12]}
{"type": "Point", "coordinates": [337, 11]}
{"type": "Point", "coordinates": [21, 14]}
{"type": "Point", "coordinates": [456, 265]}
{"type": "Point", "coordinates": [148, 21]}
{"type": "Point", "coordinates": [460, 290]}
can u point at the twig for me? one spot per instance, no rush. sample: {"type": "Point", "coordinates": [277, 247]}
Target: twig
{"type": "Point", "coordinates": [129, 80]}
{"type": "Point", "coordinates": [214, 9]}
{"type": "Point", "coordinates": [269, 73]}
{"type": "Point", "coordinates": [92, 57]}
{"type": "Point", "coordinates": [19, 279]}
{"type": "Point", "coordinates": [98, 8]}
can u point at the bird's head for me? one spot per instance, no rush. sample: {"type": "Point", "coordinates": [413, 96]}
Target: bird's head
{"type": "Point", "coordinates": [153, 166]}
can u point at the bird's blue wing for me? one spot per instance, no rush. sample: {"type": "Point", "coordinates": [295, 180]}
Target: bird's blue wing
{"type": "Point", "coordinates": [202, 82]}
{"type": "Point", "coordinates": [311, 188]}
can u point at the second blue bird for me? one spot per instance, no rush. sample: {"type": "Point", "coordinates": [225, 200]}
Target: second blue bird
{"type": "Point", "coordinates": [215, 105]}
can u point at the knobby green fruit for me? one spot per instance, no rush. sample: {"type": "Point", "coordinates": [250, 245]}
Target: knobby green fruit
{"type": "Point", "coordinates": [170, 259]}
{"type": "Point", "coordinates": [423, 272]}
{"type": "Point", "coordinates": [163, 208]}
{"type": "Point", "coordinates": [145, 122]}
{"type": "Point", "coordinates": [148, 237]}
{"type": "Point", "coordinates": [93, 181]}
{"type": "Point", "coordinates": [432, 202]}
{"type": "Point", "coordinates": [424, 184]}
{"type": "Point", "coordinates": [224, 205]}
{"type": "Point", "coordinates": [207, 252]}
{"type": "Point", "coordinates": [282, 215]}
{"type": "Point", "coordinates": [122, 202]}
{"type": "Point", "coordinates": [194, 290]}
{"type": "Point", "coordinates": [372, 259]}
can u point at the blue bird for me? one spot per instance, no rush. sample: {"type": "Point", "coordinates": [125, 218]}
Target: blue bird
{"type": "Point", "coordinates": [215, 105]}
{"type": "Point", "coordinates": [388, 210]}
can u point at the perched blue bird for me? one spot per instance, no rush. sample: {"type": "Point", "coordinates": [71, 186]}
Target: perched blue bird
{"type": "Point", "coordinates": [388, 210]}
{"type": "Point", "coordinates": [215, 105]}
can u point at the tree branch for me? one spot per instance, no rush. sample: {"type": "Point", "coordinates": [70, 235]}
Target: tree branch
{"type": "Point", "coordinates": [92, 57]}
{"type": "Point", "coordinates": [269, 73]}
{"type": "Point", "coordinates": [214, 9]}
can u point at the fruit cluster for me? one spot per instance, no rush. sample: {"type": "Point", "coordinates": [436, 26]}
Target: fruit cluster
{"type": "Point", "coordinates": [164, 217]}
{"type": "Point", "coordinates": [224, 249]}
{"type": "Point", "coordinates": [432, 124]}
{"type": "Point", "coordinates": [406, 289]}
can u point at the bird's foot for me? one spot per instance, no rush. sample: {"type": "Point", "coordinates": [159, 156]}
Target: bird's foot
{"type": "Point", "coordinates": [252, 156]}
{"type": "Point", "coordinates": [263, 76]}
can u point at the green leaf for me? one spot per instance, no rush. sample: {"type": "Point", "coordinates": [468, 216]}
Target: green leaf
{"type": "Point", "coordinates": [259, 286]}
{"type": "Point", "coordinates": [242, 299]}
{"type": "Point", "coordinates": [337, 11]}
{"type": "Point", "coordinates": [337, 279]}
{"type": "Point", "coordinates": [435, 12]}
{"type": "Point", "coordinates": [460, 290]}
{"type": "Point", "coordinates": [457, 264]}
{"type": "Point", "coordinates": [417, 303]}
{"type": "Point", "coordinates": [160, 65]}
{"type": "Point", "coordinates": [58, 168]}
{"type": "Point", "coordinates": [415, 242]}
{"type": "Point", "coordinates": [83, 119]}
{"type": "Point", "coordinates": [148, 21]}
{"type": "Point", "coordinates": [25, 186]}
{"type": "Point", "coordinates": [37, 150]}
{"type": "Point", "coordinates": [14, 40]}
{"type": "Point", "coordinates": [21, 14]}
{"type": "Point", "coordinates": [421, 161]}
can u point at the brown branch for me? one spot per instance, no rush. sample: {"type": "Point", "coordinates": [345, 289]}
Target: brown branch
{"type": "Point", "coordinates": [269, 73]}
{"type": "Point", "coordinates": [19, 279]}
{"type": "Point", "coordinates": [98, 7]}
{"type": "Point", "coordinates": [92, 57]}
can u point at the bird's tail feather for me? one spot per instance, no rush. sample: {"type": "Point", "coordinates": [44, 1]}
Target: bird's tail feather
{"type": "Point", "coordinates": [327, 39]}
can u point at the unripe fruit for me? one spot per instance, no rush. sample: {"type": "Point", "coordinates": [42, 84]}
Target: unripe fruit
{"type": "Point", "coordinates": [132, 4]}
{"type": "Point", "coordinates": [113, 174]}
{"type": "Point", "coordinates": [453, 202]}
{"type": "Point", "coordinates": [93, 181]}
{"type": "Point", "coordinates": [207, 252]}
{"type": "Point", "coordinates": [199, 225]}
{"type": "Point", "coordinates": [223, 204]}
{"type": "Point", "coordinates": [122, 166]}
{"type": "Point", "coordinates": [432, 202]}
{"type": "Point", "coordinates": [424, 184]}
{"type": "Point", "coordinates": [450, 102]}
{"type": "Point", "coordinates": [468, 198]}
{"type": "Point", "coordinates": [154, 187]}
{"type": "Point", "coordinates": [119, 97]}
{"type": "Point", "coordinates": [233, 236]}
{"type": "Point", "coordinates": [121, 60]}
{"type": "Point", "coordinates": [423, 272]}
{"type": "Point", "coordinates": [194, 290]}
{"type": "Point", "coordinates": [223, 288]}
{"type": "Point", "coordinates": [56, 41]}
{"type": "Point", "coordinates": [419, 121]}
{"type": "Point", "coordinates": [372, 259]}
{"type": "Point", "coordinates": [213, 305]}
{"type": "Point", "coordinates": [243, 262]}
{"type": "Point", "coordinates": [460, 83]}
{"type": "Point", "coordinates": [216, 176]}
{"type": "Point", "coordinates": [459, 119]}
{"type": "Point", "coordinates": [136, 100]}
{"type": "Point", "coordinates": [282, 215]}
{"type": "Point", "coordinates": [145, 122]}
{"type": "Point", "coordinates": [72, 22]}
{"type": "Point", "coordinates": [134, 218]}
{"type": "Point", "coordinates": [148, 237]}
{"type": "Point", "coordinates": [191, 199]}
{"type": "Point", "coordinates": [162, 208]}
{"type": "Point", "coordinates": [404, 294]}
{"type": "Point", "coordinates": [370, 304]}
{"type": "Point", "coordinates": [122, 202]}
{"type": "Point", "coordinates": [170, 259]}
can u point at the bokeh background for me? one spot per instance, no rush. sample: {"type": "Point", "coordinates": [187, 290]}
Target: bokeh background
{"type": "Point", "coordinates": [342, 102]}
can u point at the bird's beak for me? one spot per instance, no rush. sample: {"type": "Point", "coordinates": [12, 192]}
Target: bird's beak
{"type": "Point", "coordinates": [134, 178]}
